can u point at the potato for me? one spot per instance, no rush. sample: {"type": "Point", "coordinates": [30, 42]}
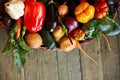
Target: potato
{"type": "Point", "coordinates": [66, 45]}
{"type": "Point", "coordinates": [33, 40]}
{"type": "Point", "coordinates": [58, 33]}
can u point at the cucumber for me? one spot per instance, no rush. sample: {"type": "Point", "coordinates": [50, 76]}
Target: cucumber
{"type": "Point", "coordinates": [48, 39]}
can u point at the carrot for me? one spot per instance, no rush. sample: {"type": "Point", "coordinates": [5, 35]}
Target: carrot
{"type": "Point", "coordinates": [23, 0]}
{"type": "Point", "coordinates": [19, 24]}
{"type": "Point", "coordinates": [107, 41]}
{"type": "Point", "coordinates": [81, 49]}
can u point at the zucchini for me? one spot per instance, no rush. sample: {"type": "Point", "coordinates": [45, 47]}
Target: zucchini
{"type": "Point", "coordinates": [48, 39]}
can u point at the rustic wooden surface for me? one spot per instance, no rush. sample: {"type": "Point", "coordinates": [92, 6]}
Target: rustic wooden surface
{"type": "Point", "coordinates": [58, 65]}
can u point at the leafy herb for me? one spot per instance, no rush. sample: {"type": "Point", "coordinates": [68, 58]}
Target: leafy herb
{"type": "Point", "coordinates": [91, 29]}
{"type": "Point", "coordinates": [44, 1]}
{"type": "Point", "coordinates": [18, 45]}
{"type": "Point", "coordinates": [6, 48]}
{"type": "Point", "coordinates": [106, 25]}
{"type": "Point", "coordinates": [109, 27]}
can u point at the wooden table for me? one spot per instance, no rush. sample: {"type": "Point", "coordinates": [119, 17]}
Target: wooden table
{"type": "Point", "coordinates": [58, 65]}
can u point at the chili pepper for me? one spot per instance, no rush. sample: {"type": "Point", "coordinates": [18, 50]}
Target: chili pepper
{"type": "Point", "coordinates": [34, 16]}
{"type": "Point", "coordinates": [78, 34]}
{"type": "Point", "coordinates": [101, 9]}
{"type": "Point", "coordinates": [84, 12]}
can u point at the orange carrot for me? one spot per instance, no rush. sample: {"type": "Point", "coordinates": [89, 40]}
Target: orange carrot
{"type": "Point", "coordinates": [23, 0]}
{"type": "Point", "coordinates": [81, 49]}
{"type": "Point", "coordinates": [19, 24]}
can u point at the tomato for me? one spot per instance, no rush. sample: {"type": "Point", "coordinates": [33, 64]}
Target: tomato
{"type": "Point", "coordinates": [78, 34]}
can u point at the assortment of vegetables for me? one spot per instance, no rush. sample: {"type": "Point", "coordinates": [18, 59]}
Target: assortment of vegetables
{"type": "Point", "coordinates": [64, 24]}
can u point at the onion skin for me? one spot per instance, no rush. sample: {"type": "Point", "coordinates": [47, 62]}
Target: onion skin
{"type": "Point", "coordinates": [71, 23]}
{"type": "Point", "coordinates": [63, 10]}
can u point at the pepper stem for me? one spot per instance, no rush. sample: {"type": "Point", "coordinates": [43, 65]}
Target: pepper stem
{"type": "Point", "coordinates": [51, 1]}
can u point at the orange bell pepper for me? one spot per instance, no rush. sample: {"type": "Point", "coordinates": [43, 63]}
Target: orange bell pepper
{"type": "Point", "coordinates": [84, 12]}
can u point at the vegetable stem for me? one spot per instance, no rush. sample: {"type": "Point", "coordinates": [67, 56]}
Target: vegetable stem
{"type": "Point", "coordinates": [50, 2]}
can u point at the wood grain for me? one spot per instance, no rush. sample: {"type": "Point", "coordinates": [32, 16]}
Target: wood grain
{"type": "Point", "coordinates": [69, 65]}
{"type": "Point", "coordinates": [58, 65]}
{"type": "Point", "coordinates": [110, 59]}
{"type": "Point", "coordinates": [90, 70]}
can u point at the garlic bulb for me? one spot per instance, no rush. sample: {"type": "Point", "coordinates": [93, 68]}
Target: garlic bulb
{"type": "Point", "coordinates": [15, 8]}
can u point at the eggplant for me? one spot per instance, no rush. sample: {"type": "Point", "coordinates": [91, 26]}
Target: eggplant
{"type": "Point", "coordinates": [51, 17]}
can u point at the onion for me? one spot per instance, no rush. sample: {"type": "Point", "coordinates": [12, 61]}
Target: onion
{"type": "Point", "coordinates": [70, 23]}
{"type": "Point", "coordinates": [63, 9]}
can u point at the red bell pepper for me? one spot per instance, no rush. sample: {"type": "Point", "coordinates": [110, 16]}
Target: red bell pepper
{"type": "Point", "coordinates": [78, 34]}
{"type": "Point", "coordinates": [34, 16]}
{"type": "Point", "coordinates": [101, 9]}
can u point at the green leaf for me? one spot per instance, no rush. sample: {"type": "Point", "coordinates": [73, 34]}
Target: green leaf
{"type": "Point", "coordinates": [19, 57]}
{"type": "Point", "coordinates": [109, 27]}
{"type": "Point", "coordinates": [44, 1]}
{"type": "Point", "coordinates": [91, 29]}
{"type": "Point", "coordinates": [21, 42]}
{"type": "Point", "coordinates": [6, 48]}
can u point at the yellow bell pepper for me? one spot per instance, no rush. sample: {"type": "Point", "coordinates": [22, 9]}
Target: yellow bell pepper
{"type": "Point", "coordinates": [84, 12]}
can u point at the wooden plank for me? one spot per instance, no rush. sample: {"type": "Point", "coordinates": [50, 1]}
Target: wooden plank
{"type": "Point", "coordinates": [50, 70]}
{"type": "Point", "coordinates": [91, 71]}
{"type": "Point", "coordinates": [33, 66]}
{"type": "Point", "coordinates": [41, 65]}
{"type": "Point", "coordinates": [111, 59]}
{"type": "Point", "coordinates": [69, 65]}
{"type": "Point", "coordinates": [8, 71]}
{"type": "Point", "coordinates": [62, 65]}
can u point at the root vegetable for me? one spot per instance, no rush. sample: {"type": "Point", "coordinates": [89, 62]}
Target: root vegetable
{"type": "Point", "coordinates": [66, 45]}
{"type": "Point", "coordinates": [19, 25]}
{"type": "Point", "coordinates": [63, 9]}
{"type": "Point", "coordinates": [33, 40]}
{"type": "Point", "coordinates": [58, 33]}
{"type": "Point", "coordinates": [71, 23]}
